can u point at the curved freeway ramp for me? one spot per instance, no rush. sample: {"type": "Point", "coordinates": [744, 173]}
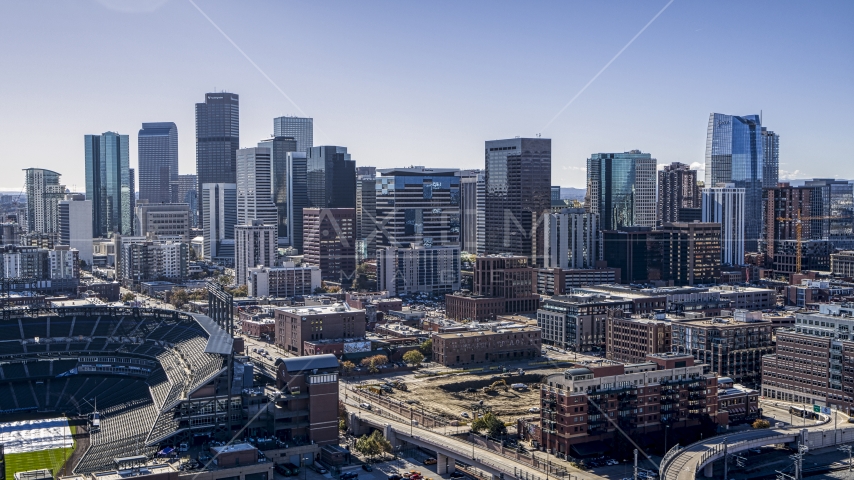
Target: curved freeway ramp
{"type": "Point", "coordinates": [686, 463]}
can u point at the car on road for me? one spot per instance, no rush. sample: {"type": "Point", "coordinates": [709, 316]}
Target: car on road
{"type": "Point", "coordinates": [366, 406]}
{"type": "Point", "coordinates": [534, 409]}
{"type": "Point", "coordinates": [456, 474]}
{"type": "Point", "coordinates": [465, 414]}
{"type": "Point", "coordinates": [395, 476]}
{"type": "Point", "coordinates": [430, 461]}
{"type": "Point", "coordinates": [366, 467]}
{"type": "Point", "coordinates": [612, 462]}
{"type": "Point", "coordinates": [349, 475]}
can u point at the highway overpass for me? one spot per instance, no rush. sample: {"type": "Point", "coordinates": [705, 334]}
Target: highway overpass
{"type": "Point", "coordinates": [686, 463]}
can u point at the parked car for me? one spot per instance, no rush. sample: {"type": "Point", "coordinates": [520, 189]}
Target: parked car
{"type": "Point", "coordinates": [465, 414]}
{"type": "Point", "coordinates": [317, 468]}
{"type": "Point", "coordinates": [534, 409]}
{"type": "Point", "coordinates": [293, 468]}
{"type": "Point", "coordinates": [283, 469]}
{"type": "Point", "coordinates": [366, 467]}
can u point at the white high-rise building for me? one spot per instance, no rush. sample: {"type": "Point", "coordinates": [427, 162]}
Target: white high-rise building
{"type": "Point", "coordinates": [219, 209]}
{"type": "Point", "coordinates": [255, 244]}
{"type": "Point", "coordinates": [285, 281]}
{"type": "Point", "coordinates": [254, 187]}
{"type": "Point", "coordinates": [75, 225]}
{"type": "Point", "coordinates": [572, 239]}
{"type": "Point", "coordinates": [43, 195]}
{"type": "Point", "coordinates": [400, 270]}
{"type": "Point", "coordinates": [724, 204]}
{"type": "Point", "coordinates": [301, 129]}
{"type": "Point", "coordinates": [63, 262]}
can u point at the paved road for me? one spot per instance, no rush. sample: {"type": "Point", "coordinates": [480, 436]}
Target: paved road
{"type": "Point", "coordinates": [686, 463]}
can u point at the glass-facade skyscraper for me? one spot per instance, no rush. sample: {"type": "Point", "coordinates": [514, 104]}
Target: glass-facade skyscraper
{"type": "Point", "coordinates": [330, 177]}
{"type": "Point", "coordinates": [418, 207]}
{"type": "Point", "coordinates": [518, 181]}
{"type": "Point", "coordinates": [735, 154]}
{"type": "Point", "coordinates": [621, 189]}
{"type": "Point", "coordinates": [279, 149]}
{"type": "Point", "coordinates": [770, 158]}
{"type": "Point", "coordinates": [108, 184]}
{"type": "Point", "coordinates": [158, 161]}
{"type": "Point", "coordinates": [299, 128]}
{"type": "Point", "coordinates": [217, 140]}
{"type": "Point", "coordinates": [297, 196]}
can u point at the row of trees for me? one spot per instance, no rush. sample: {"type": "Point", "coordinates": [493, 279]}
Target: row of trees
{"type": "Point", "coordinates": [374, 362]}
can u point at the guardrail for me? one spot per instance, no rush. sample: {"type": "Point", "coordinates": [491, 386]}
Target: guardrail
{"type": "Point", "coordinates": [463, 453]}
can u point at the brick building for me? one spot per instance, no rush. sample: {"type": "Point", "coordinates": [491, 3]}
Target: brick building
{"type": "Point", "coordinates": [732, 347]}
{"type": "Point", "coordinates": [586, 404]}
{"type": "Point", "coordinates": [296, 325]}
{"type": "Point", "coordinates": [631, 339]}
{"type": "Point", "coordinates": [559, 281]}
{"type": "Point", "coordinates": [503, 345]}
{"type": "Point", "coordinates": [502, 284]}
{"type": "Point", "coordinates": [307, 407]}
{"type": "Point", "coordinates": [814, 361]}
{"type": "Point", "coordinates": [577, 322]}
{"type": "Point", "coordinates": [329, 241]}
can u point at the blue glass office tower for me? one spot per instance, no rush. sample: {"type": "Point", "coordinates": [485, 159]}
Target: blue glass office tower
{"type": "Point", "coordinates": [158, 161]}
{"type": "Point", "coordinates": [418, 206]}
{"type": "Point", "coordinates": [734, 154]}
{"type": "Point", "coordinates": [621, 189]}
{"type": "Point", "coordinates": [108, 184]}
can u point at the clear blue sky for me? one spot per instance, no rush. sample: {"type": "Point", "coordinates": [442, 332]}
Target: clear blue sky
{"type": "Point", "coordinates": [425, 83]}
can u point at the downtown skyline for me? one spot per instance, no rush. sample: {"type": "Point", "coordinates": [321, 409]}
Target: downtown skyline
{"type": "Point", "coordinates": [443, 83]}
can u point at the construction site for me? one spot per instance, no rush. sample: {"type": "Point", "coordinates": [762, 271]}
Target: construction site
{"type": "Point", "coordinates": [462, 397]}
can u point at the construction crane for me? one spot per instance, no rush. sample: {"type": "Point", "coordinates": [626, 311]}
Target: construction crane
{"type": "Point", "coordinates": [799, 228]}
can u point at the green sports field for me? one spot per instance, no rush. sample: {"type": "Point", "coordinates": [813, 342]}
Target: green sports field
{"type": "Point", "coordinates": [52, 459]}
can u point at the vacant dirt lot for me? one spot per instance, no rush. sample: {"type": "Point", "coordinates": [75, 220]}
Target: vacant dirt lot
{"type": "Point", "coordinates": [449, 396]}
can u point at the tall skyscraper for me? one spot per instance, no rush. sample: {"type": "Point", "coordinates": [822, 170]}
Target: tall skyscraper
{"type": "Point", "coordinates": [677, 189]}
{"type": "Point", "coordinates": [471, 210]}
{"type": "Point", "coordinates": [129, 198]}
{"type": "Point", "coordinates": [770, 158]}
{"type": "Point", "coordinates": [279, 148]}
{"type": "Point", "coordinates": [418, 206]}
{"type": "Point", "coordinates": [724, 204]}
{"type": "Point", "coordinates": [43, 195]}
{"type": "Point", "coordinates": [518, 182]}
{"type": "Point", "coordinates": [299, 128]}
{"type": "Point", "coordinates": [158, 161]}
{"type": "Point", "coordinates": [297, 196]}
{"type": "Point", "coordinates": [366, 213]}
{"type": "Point", "coordinates": [219, 204]}
{"type": "Point", "coordinates": [75, 225]}
{"type": "Point", "coordinates": [254, 192]}
{"type": "Point", "coordinates": [572, 239]}
{"type": "Point", "coordinates": [621, 188]}
{"type": "Point", "coordinates": [255, 244]}
{"type": "Point", "coordinates": [330, 177]}
{"type": "Point", "coordinates": [217, 140]}
{"type": "Point", "coordinates": [108, 183]}
{"type": "Point", "coordinates": [841, 211]}
{"type": "Point", "coordinates": [734, 154]}
{"type": "Point", "coordinates": [330, 242]}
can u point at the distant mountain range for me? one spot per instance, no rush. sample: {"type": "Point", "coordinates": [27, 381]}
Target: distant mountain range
{"type": "Point", "coordinates": [570, 193]}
